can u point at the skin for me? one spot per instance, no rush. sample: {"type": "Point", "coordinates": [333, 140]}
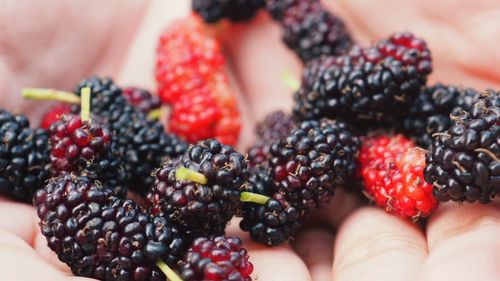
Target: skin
{"type": "Point", "coordinates": [345, 242]}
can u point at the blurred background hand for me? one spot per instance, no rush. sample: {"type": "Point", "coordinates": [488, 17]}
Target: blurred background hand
{"type": "Point", "coordinates": [57, 43]}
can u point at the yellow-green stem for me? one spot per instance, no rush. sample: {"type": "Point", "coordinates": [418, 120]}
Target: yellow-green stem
{"type": "Point", "coordinates": [49, 94]}
{"type": "Point", "coordinates": [291, 82]}
{"type": "Point", "coordinates": [85, 104]}
{"type": "Point", "coordinates": [154, 114]}
{"type": "Point", "coordinates": [171, 275]}
{"type": "Point", "coordinates": [184, 173]}
{"type": "Point", "coordinates": [254, 198]}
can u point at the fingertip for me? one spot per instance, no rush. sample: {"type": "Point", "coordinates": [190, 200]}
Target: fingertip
{"type": "Point", "coordinates": [277, 264]}
{"type": "Point", "coordinates": [370, 239]}
{"type": "Point", "coordinates": [315, 247]}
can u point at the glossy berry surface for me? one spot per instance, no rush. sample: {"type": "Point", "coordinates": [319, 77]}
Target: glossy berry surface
{"type": "Point", "coordinates": [392, 171]}
{"type": "Point", "coordinates": [142, 144]}
{"type": "Point", "coordinates": [86, 148]}
{"type": "Point", "coordinates": [216, 259]}
{"type": "Point", "coordinates": [463, 163]}
{"type": "Point", "coordinates": [100, 236]}
{"type": "Point", "coordinates": [24, 157]}
{"type": "Point", "coordinates": [215, 10]}
{"type": "Point", "coordinates": [431, 110]}
{"type": "Point", "coordinates": [277, 220]}
{"type": "Point", "coordinates": [366, 85]}
{"type": "Point", "coordinates": [204, 208]}
{"type": "Point", "coordinates": [315, 159]}
{"type": "Point", "coordinates": [311, 31]}
{"type": "Point", "coordinates": [54, 114]}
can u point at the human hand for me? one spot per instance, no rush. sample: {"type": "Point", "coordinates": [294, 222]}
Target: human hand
{"type": "Point", "coordinates": [261, 90]}
{"type": "Point", "coordinates": [458, 242]}
{"type": "Point", "coordinates": [86, 38]}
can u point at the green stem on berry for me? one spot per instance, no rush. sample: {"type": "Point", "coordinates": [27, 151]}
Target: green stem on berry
{"type": "Point", "coordinates": [154, 114]}
{"type": "Point", "coordinates": [184, 173]}
{"type": "Point", "coordinates": [85, 104]}
{"type": "Point", "coordinates": [291, 82]}
{"type": "Point", "coordinates": [171, 275]}
{"type": "Point", "coordinates": [49, 94]}
{"type": "Point", "coordinates": [260, 199]}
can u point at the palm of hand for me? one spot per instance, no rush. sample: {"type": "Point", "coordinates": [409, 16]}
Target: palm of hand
{"type": "Point", "coordinates": [459, 242]}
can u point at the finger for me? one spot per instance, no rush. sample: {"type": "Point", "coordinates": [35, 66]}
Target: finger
{"type": "Point", "coordinates": [45, 253]}
{"type": "Point", "coordinates": [454, 40]}
{"type": "Point", "coordinates": [271, 263]}
{"type": "Point", "coordinates": [374, 245]}
{"type": "Point", "coordinates": [464, 243]}
{"type": "Point", "coordinates": [33, 40]}
{"type": "Point", "coordinates": [139, 64]}
{"type": "Point", "coordinates": [18, 219]}
{"type": "Point", "coordinates": [18, 261]}
{"type": "Point", "coordinates": [341, 206]}
{"type": "Point", "coordinates": [315, 247]}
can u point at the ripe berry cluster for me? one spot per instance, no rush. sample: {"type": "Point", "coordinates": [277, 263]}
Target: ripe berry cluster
{"type": "Point", "coordinates": [300, 172]}
{"type": "Point", "coordinates": [99, 234]}
{"type": "Point", "coordinates": [192, 79]}
{"type": "Point", "coordinates": [97, 150]}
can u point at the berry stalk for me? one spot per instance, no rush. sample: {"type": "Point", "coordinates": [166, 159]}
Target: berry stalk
{"type": "Point", "coordinates": [85, 104]}
{"type": "Point", "coordinates": [184, 173]}
{"type": "Point", "coordinates": [260, 199]}
{"type": "Point", "coordinates": [154, 114]}
{"type": "Point", "coordinates": [171, 275]}
{"type": "Point", "coordinates": [49, 94]}
{"type": "Point", "coordinates": [291, 82]}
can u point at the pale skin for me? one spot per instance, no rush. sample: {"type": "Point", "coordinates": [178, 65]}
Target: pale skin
{"type": "Point", "coordinates": [56, 43]}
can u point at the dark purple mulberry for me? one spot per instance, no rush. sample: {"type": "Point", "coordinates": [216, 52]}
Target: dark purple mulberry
{"type": "Point", "coordinates": [103, 237]}
{"type": "Point", "coordinates": [463, 163]}
{"type": "Point", "coordinates": [24, 157]}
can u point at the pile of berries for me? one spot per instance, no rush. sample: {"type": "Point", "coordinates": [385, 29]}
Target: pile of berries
{"type": "Point", "coordinates": [362, 116]}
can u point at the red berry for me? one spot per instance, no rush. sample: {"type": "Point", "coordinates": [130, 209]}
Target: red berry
{"type": "Point", "coordinates": [216, 259]}
{"type": "Point", "coordinates": [76, 143]}
{"type": "Point", "coordinates": [53, 114]}
{"type": "Point", "coordinates": [193, 116]}
{"type": "Point", "coordinates": [392, 170]}
{"type": "Point", "coordinates": [191, 77]}
{"type": "Point", "coordinates": [186, 57]}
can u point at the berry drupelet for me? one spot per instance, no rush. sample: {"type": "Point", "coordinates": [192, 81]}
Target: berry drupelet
{"type": "Point", "coordinates": [392, 171]}
{"type": "Point", "coordinates": [275, 221]}
{"type": "Point", "coordinates": [142, 143]}
{"type": "Point", "coordinates": [275, 126]}
{"type": "Point", "coordinates": [277, 8]}
{"type": "Point", "coordinates": [313, 160]}
{"type": "Point", "coordinates": [141, 99]}
{"type": "Point", "coordinates": [367, 85]}
{"type": "Point", "coordinates": [235, 10]}
{"type": "Point", "coordinates": [216, 259]}
{"type": "Point", "coordinates": [24, 157]}
{"type": "Point", "coordinates": [85, 147]}
{"type": "Point", "coordinates": [311, 31]}
{"type": "Point", "coordinates": [53, 114]}
{"type": "Point", "coordinates": [201, 190]}
{"type": "Point", "coordinates": [430, 112]}
{"type": "Point", "coordinates": [103, 237]}
{"type": "Point", "coordinates": [463, 163]}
